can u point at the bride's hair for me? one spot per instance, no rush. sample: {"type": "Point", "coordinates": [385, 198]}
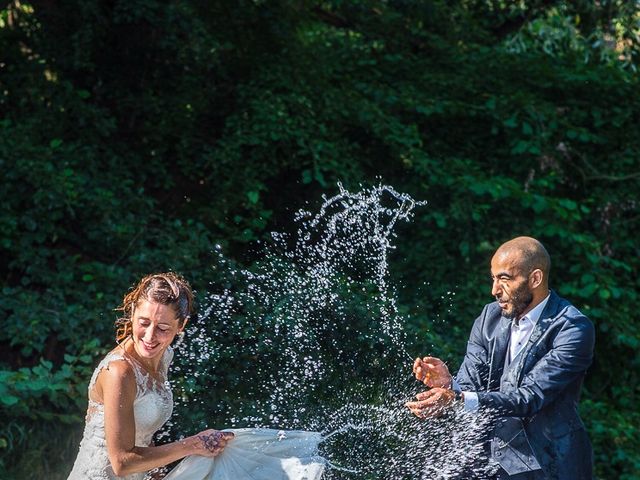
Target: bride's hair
{"type": "Point", "coordinates": [164, 288]}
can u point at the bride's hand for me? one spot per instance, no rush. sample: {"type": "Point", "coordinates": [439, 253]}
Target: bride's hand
{"type": "Point", "coordinates": [211, 443]}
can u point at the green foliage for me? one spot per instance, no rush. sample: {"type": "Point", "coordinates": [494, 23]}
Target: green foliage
{"type": "Point", "coordinates": [135, 136]}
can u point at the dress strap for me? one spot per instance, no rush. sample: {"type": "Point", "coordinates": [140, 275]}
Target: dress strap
{"type": "Point", "coordinates": [115, 355]}
{"type": "Point", "coordinates": [110, 357]}
{"type": "Point", "coordinates": [167, 358]}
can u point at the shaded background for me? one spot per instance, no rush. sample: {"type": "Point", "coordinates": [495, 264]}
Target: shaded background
{"type": "Point", "coordinates": [137, 135]}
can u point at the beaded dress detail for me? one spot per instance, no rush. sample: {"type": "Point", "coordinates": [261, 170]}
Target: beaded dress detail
{"type": "Point", "coordinates": [152, 408]}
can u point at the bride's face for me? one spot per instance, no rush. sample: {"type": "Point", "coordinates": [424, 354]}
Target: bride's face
{"type": "Point", "coordinates": [154, 328]}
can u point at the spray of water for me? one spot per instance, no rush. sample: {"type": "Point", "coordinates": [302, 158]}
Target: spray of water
{"type": "Point", "coordinates": [310, 338]}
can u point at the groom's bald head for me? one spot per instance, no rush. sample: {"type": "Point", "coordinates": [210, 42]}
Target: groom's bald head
{"type": "Point", "coordinates": [528, 253]}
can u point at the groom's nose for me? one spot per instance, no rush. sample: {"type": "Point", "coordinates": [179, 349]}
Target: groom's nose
{"type": "Point", "coordinates": [496, 288]}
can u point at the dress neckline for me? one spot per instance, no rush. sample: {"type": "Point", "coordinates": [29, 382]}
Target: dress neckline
{"type": "Point", "coordinates": [157, 377]}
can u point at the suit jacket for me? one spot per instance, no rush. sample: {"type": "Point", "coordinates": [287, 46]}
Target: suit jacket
{"type": "Point", "coordinates": [535, 396]}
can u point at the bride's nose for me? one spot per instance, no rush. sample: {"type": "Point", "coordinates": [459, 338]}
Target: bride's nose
{"type": "Point", "coordinates": [149, 334]}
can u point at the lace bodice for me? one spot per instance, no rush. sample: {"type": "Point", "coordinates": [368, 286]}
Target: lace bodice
{"type": "Point", "coordinates": [152, 407]}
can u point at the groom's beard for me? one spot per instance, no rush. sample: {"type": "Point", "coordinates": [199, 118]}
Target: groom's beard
{"type": "Point", "coordinates": [519, 300]}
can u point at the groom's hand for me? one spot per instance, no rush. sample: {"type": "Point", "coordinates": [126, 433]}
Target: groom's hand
{"type": "Point", "coordinates": [433, 372]}
{"type": "Point", "coordinates": [431, 403]}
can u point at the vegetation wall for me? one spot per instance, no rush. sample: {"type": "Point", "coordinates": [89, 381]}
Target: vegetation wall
{"type": "Point", "coordinates": [137, 135]}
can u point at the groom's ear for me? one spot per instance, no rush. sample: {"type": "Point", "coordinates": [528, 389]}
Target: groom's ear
{"type": "Point", "coordinates": [535, 278]}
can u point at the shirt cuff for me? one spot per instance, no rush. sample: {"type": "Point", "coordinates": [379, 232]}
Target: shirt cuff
{"type": "Point", "coordinates": [471, 403]}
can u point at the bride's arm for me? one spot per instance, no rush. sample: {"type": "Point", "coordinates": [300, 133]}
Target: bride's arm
{"type": "Point", "coordinates": [119, 392]}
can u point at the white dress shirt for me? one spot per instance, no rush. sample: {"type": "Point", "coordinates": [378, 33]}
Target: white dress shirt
{"type": "Point", "coordinates": [520, 332]}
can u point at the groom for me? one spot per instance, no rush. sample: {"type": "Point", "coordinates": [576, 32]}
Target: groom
{"type": "Point", "coordinates": [526, 358]}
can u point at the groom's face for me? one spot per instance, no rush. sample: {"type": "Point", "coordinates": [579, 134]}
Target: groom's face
{"type": "Point", "coordinates": [510, 285]}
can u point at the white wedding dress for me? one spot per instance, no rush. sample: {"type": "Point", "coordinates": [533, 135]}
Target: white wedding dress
{"type": "Point", "coordinates": [152, 407]}
{"type": "Point", "coordinates": [258, 454]}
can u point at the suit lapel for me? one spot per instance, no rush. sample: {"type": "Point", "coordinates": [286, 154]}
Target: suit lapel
{"type": "Point", "coordinates": [547, 317]}
{"type": "Point", "coordinates": [500, 346]}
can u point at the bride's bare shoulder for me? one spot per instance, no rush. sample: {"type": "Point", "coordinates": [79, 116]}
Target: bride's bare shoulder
{"type": "Point", "coordinates": [115, 372]}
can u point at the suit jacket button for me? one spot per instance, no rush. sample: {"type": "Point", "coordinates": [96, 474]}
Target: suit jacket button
{"type": "Point", "coordinates": [498, 454]}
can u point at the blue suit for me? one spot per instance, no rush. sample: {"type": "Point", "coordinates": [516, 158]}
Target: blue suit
{"type": "Point", "coordinates": [535, 396]}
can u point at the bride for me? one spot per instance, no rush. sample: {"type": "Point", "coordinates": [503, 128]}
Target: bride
{"type": "Point", "coordinates": [129, 396]}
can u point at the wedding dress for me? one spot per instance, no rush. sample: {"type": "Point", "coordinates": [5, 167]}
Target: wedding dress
{"type": "Point", "coordinates": [152, 408]}
{"type": "Point", "coordinates": [258, 454]}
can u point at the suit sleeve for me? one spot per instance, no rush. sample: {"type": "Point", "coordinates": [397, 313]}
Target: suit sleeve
{"type": "Point", "coordinates": [474, 371]}
{"type": "Point", "coordinates": [567, 359]}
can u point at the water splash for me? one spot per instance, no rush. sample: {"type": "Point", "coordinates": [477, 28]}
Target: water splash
{"type": "Point", "coordinates": [384, 442]}
{"type": "Point", "coordinates": [310, 337]}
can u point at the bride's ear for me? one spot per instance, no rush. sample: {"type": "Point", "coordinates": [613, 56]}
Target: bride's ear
{"type": "Point", "coordinates": [186, 321]}
{"type": "Point", "coordinates": [182, 327]}
{"type": "Point", "coordinates": [178, 339]}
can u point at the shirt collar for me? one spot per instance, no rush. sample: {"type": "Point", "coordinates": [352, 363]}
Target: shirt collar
{"type": "Point", "coordinates": [534, 314]}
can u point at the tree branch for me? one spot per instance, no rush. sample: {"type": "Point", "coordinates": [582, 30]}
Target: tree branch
{"type": "Point", "coordinates": [331, 18]}
{"type": "Point", "coordinates": [511, 25]}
